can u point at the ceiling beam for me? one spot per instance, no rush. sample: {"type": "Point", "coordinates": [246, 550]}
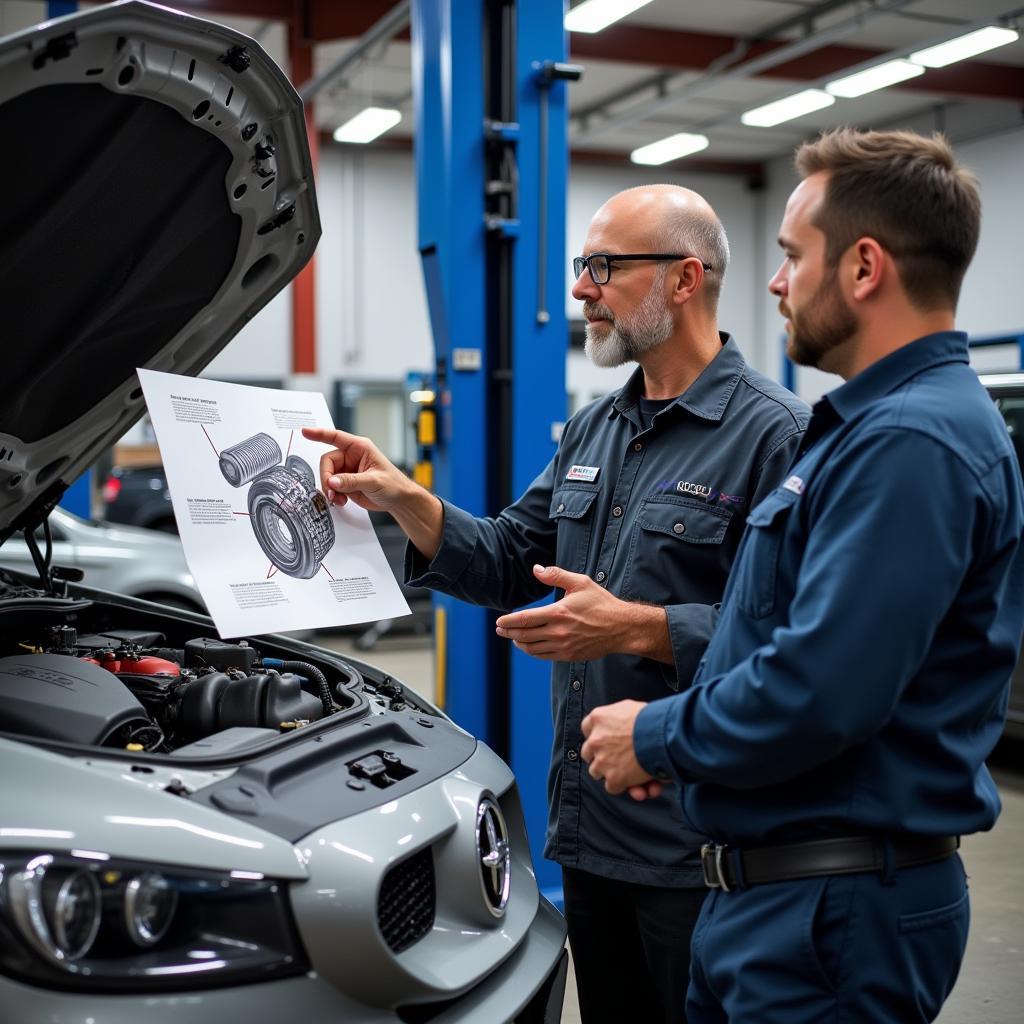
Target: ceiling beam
{"type": "Point", "coordinates": [694, 51]}
{"type": "Point", "coordinates": [667, 49]}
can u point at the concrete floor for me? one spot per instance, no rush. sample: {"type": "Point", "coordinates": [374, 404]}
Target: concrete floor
{"type": "Point", "coordinates": [991, 983]}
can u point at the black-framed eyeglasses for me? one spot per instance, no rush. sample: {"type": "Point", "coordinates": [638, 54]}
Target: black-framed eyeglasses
{"type": "Point", "coordinates": [600, 263]}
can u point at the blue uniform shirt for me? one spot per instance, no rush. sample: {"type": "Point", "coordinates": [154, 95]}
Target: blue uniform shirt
{"type": "Point", "coordinates": [858, 676]}
{"type": "Point", "coordinates": [654, 511]}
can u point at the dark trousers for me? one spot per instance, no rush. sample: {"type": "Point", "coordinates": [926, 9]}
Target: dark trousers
{"type": "Point", "coordinates": [841, 948]}
{"type": "Point", "coordinates": [630, 948]}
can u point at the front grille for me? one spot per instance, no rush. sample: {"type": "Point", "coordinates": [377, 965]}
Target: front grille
{"type": "Point", "coordinates": [405, 906]}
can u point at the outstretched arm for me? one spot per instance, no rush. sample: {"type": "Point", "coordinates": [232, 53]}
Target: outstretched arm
{"type": "Point", "coordinates": [587, 623]}
{"type": "Point", "coordinates": [357, 470]}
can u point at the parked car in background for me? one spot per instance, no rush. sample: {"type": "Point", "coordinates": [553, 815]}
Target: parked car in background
{"type": "Point", "coordinates": [124, 559]}
{"type": "Point", "coordinates": [1007, 391]}
{"type": "Point", "coordinates": [139, 496]}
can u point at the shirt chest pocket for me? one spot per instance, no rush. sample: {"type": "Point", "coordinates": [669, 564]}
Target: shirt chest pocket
{"type": "Point", "coordinates": [675, 551]}
{"type": "Point", "coordinates": [571, 513]}
{"type": "Point", "coordinates": [756, 576]}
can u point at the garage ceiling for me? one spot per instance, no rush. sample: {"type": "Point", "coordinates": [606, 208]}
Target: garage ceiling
{"type": "Point", "coordinates": [695, 67]}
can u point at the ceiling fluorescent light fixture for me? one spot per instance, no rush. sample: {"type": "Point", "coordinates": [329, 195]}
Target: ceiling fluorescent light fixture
{"type": "Point", "coordinates": [672, 148]}
{"type": "Point", "coordinates": [594, 15]}
{"type": "Point", "coordinates": [368, 125]}
{"type": "Point", "coordinates": [962, 47]}
{"type": "Point", "coordinates": [787, 108]}
{"type": "Point", "coordinates": [870, 79]}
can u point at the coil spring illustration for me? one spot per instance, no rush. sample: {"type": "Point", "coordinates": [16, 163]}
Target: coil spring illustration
{"type": "Point", "coordinates": [243, 462]}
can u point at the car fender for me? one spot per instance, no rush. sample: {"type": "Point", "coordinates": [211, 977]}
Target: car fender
{"type": "Point", "coordinates": [58, 803]}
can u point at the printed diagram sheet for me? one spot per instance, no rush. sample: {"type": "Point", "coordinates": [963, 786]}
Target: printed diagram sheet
{"type": "Point", "coordinates": [266, 550]}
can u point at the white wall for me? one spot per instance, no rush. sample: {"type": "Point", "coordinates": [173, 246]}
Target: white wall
{"type": "Point", "coordinates": [736, 204]}
{"type": "Point", "coordinates": [992, 299]}
{"type": "Point", "coordinates": [372, 319]}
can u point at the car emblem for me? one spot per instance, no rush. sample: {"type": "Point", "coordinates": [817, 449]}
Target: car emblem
{"type": "Point", "coordinates": [493, 857]}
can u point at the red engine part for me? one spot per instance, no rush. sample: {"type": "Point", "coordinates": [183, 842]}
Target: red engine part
{"type": "Point", "coordinates": [144, 666]}
{"type": "Point", "coordinates": [147, 666]}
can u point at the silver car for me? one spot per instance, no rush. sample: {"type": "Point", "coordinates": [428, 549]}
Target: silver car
{"type": "Point", "coordinates": [194, 829]}
{"type": "Point", "coordinates": [129, 560]}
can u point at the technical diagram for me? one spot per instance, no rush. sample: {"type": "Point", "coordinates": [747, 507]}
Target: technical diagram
{"type": "Point", "coordinates": [233, 452]}
{"type": "Point", "coordinates": [289, 515]}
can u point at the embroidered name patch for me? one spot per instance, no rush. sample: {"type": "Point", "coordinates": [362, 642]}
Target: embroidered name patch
{"type": "Point", "coordinates": [794, 484]}
{"type": "Point", "coordinates": [700, 490]}
{"type": "Point", "coordinates": [585, 473]}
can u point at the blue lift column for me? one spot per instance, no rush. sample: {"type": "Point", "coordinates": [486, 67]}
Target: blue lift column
{"type": "Point", "coordinates": [491, 149]}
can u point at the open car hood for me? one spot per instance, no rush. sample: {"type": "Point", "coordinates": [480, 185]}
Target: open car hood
{"type": "Point", "coordinates": [159, 194]}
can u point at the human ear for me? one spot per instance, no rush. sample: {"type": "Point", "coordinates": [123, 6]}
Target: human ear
{"type": "Point", "coordinates": [866, 264]}
{"type": "Point", "coordinates": [690, 275]}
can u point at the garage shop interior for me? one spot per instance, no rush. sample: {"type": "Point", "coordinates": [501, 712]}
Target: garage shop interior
{"type": "Point", "coordinates": [511, 511]}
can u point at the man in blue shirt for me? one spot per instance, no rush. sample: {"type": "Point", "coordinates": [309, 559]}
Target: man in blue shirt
{"type": "Point", "coordinates": [634, 523]}
{"type": "Point", "coordinates": [833, 743]}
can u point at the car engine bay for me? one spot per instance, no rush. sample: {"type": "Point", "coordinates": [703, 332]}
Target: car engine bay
{"type": "Point", "coordinates": [104, 673]}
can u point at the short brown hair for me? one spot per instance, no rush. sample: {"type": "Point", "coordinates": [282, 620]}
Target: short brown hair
{"type": "Point", "coordinates": [906, 192]}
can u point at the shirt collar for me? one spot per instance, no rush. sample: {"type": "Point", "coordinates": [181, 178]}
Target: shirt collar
{"type": "Point", "coordinates": [706, 397]}
{"type": "Point", "coordinates": [896, 369]}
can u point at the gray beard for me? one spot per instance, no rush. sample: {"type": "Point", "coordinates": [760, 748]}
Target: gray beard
{"type": "Point", "coordinates": [632, 334]}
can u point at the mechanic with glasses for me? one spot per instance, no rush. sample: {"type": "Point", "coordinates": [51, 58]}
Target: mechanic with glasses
{"type": "Point", "coordinates": [635, 524]}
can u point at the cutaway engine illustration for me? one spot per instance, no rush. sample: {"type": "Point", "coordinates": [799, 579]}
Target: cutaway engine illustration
{"type": "Point", "coordinates": [290, 516]}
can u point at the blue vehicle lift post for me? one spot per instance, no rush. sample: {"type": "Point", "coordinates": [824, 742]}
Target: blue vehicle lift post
{"type": "Point", "coordinates": [492, 160]}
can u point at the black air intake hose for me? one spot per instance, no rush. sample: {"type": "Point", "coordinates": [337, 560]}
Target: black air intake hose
{"type": "Point", "coordinates": [303, 668]}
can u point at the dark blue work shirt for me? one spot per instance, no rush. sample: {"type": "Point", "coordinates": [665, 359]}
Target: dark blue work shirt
{"type": "Point", "coordinates": [654, 513]}
{"type": "Point", "coordinates": [859, 673]}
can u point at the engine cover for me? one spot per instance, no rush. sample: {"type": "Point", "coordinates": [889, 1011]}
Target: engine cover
{"type": "Point", "coordinates": [56, 697]}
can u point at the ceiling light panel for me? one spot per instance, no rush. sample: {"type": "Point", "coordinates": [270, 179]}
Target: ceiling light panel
{"type": "Point", "coordinates": [970, 45]}
{"type": "Point", "coordinates": [675, 147]}
{"type": "Point", "coordinates": [594, 15]}
{"type": "Point", "coordinates": [788, 108]}
{"type": "Point", "coordinates": [368, 125]}
{"type": "Point", "coordinates": [870, 79]}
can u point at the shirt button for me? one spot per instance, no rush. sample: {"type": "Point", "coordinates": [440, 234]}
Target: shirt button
{"type": "Point", "coordinates": [571, 754]}
{"type": "Point", "coordinates": [561, 508]}
{"type": "Point", "coordinates": [617, 511]}
{"type": "Point", "coordinates": [638, 447]}
{"type": "Point", "coordinates": [600, 577]}
{"type": "Point", "coordinates": [679, 528]}
{"type": "Point", "coordinates": [576, 684]}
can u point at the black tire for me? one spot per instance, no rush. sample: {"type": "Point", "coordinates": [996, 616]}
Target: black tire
{"type": "Point", "coordinates": [300, 468]}
{"type": "Point", "coordinates": [291, 521]}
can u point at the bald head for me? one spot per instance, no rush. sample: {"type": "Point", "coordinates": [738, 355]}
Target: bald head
{"type": "Point", "coordinates": [669, 218]}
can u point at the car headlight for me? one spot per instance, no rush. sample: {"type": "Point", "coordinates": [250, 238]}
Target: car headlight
{"type": "Point", "coordinates": [85, 921]}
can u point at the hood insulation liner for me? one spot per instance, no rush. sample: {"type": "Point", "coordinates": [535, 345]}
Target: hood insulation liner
{"type": "Point", "coordinates": [102, 264]}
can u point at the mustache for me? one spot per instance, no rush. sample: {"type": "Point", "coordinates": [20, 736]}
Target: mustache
{"type": "Point", "coordinates": [595, 311]}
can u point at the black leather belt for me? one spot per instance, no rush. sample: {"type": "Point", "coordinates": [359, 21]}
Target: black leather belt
{"type": "Point", "coordinates": [729, 868]}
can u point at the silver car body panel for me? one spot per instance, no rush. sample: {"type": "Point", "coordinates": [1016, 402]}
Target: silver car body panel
{"type": "Point", "coordinates": [311, 999]}
{"type": "Point", "coordinates": [63, 804]}
{"type": "Point", "coordinates": [122, 559]}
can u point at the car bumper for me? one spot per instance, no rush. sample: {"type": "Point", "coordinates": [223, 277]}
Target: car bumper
{"type": "Point", "coordinates": [527, 988]}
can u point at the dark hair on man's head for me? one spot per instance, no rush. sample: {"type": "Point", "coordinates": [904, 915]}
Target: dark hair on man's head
{"type": "Point", "coordinates": [909, 194]}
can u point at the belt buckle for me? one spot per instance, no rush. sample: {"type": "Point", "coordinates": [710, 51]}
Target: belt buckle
{"type": "Point", "coordinates": [711, 864]}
